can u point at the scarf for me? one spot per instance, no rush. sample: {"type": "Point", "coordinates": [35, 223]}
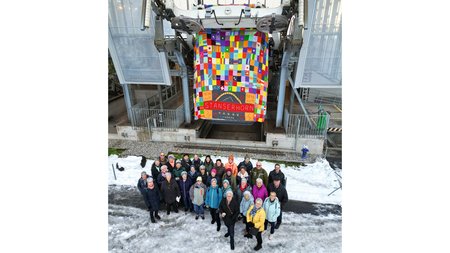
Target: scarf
{"type": "Point", "coordinates": [254, 210]}
{"type": "Point", "coordinates": [243, 189]}
{"type": "Point", "coordinates": [243, 175]}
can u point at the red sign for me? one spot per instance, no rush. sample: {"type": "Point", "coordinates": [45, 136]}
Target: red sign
{"type": "Point", "coordinates": [226, 106]}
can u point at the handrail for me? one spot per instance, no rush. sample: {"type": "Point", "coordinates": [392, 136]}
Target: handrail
{"type": "Point", "coordinates": [144, 10]}
{"type": "Point", "coordinates": [145, 15]}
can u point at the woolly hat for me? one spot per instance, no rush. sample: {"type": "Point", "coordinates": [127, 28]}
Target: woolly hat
{"type": "Point", "coordinates": [192, 166]}
{"type": "Point", "coordinates": [199, 179]}
{"type": "Point", "coordinates": [178, 161]}
{"type": "Point", "coordinates": [225, 181]}
{"type": "Point", "coordinates": [244, 179]}
{"type": "Point", "coordinates": [171, 156]}
{"type": "Point", "coordinates": [214, 170]}
{"type": "Point", "coordinates": [242, 166]}
{"type": "Point", "coordinates": [183, 173]}
{"type": "Point", "coordinates": [214, 179]}
{"type": "Point", "coordinates": [227, 169]}
{"type": "Point", "coordinates": [149, 179]}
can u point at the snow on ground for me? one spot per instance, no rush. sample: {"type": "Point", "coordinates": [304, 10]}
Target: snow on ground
{"type": "Point", "coordinates": [131, 231]}
{"type": "Point", "coordinates": [310, 183]}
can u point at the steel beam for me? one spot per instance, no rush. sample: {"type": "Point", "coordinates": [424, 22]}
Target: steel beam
{"type": "Point", "coordinates": [300, 101]}
{"type": "Point", "coordinates": [128, 104]}
{"type": "Point", "coordinates": [282, 88]}
{"type": "Point", "coordinates": [187, 108]}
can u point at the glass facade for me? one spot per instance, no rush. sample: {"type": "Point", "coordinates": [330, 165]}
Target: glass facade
{"type": "Point", "coordinates": [132, 50]}
{"type": "Point", "coordinates": [320, 63]}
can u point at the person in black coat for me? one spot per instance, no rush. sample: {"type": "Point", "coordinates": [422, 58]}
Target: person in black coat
{"type": "Point", "coordinates": [214, 175]}
{"type": "Point", "coordinates": [162, 158]}
{"type": "Point", "coordinates": [142, 184]}
{"type": "Point", "coordinates": [229, 211]}
{"type": "Point", "coordinates": [203, 174]}
{"type": "Point", "coordinates": [156, 169]}
{"type": "Point", "coordinates": [185, 185]}
{"type": "Point", "coordinates": [247, 163]}
{"type": "Point", "coordinates": [171, 163]}
{"type": "Point", "coordinates": [192, 174]}
{"type": "Point", "coordinates": [152, 198]}
{"type": "Point", "coordinates": [171, 193]}
{"type": "Point", "coordinates": [277, 173]}
{"type": "Point", "coordinates": [197, 162]}
{"type": "Point", "coordinates": [186, 162]}
{"type": "Point", "coordinates": [282, 196]}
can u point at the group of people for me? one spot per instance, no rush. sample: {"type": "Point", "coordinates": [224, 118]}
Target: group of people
{"type": "Point", "coordinates": [231, 192]}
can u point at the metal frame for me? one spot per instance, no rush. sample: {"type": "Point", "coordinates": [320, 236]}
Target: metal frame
{"type": "Point", "coordinates": [187, 111]}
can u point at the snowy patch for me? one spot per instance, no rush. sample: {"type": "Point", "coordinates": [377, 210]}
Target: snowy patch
{"type": "Point", "coordinates": [130, 230]}
{"type": "Point", "coordinates": [310, 183]}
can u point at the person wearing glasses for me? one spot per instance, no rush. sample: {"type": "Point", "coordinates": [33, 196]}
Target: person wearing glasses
{"type": "Point", "coordinates": [259, 172]}
{"type": "Point", "coordinates": [163, 159]}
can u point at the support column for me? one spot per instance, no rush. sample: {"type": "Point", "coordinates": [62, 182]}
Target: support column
{"type": "Point", "coordinates": [282, 88]}
{"type": "Point", "coordinates": [291, 100]}
{"type": "Point", "coordinates": [128, 104]}
{"type": "Point", "coordinates": [161, 106]}
{"type": "Point", "coordinates": [185, 84]}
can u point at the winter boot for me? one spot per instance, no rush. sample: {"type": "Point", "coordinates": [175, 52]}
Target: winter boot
{"type": "Point", "coordinates": [249, 236]}
{"type": "Point", "coordinates": [227, 234]}
{"type": "Point", "coordinates": [152, 218]}
{"type": "Point", "coordinates": [232, 243]}
{"type": "Point", "coordinates": [196, 217]}
{"type": "Point", "coordinates": [213, 221]}
{"type": "Point", "coordinates": [258, 247]}
{"type": "Point", "coordinates": [203, 217]}
{"type": "Point", "coordinates": [157, 216]}
{"type": "Point", "coordinates": [270, 236]}
{"type": "Point", "coordinates": [218, 228]}
{"type": "Point", "coordinates": [277, 226]}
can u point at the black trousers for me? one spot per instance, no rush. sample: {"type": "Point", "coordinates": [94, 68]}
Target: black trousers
{"type": "Point", "coordinates": [153, 213]}
{"type": "Point", "coordinates": [272, 226]}
{"type": "Point", "coordinates": [172, 206]}
{"type": "Point", "coordinates": [215, 215]}
{"type": "Point", "coordinates": [258, 236]}
{"type": "Point", "coordinates": [231, 232]}
{"type": "Point", "coordinates": [279, 217]}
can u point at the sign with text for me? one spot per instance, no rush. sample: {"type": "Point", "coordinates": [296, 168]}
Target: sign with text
{"type": "Point", "coordinates": [231, 75]}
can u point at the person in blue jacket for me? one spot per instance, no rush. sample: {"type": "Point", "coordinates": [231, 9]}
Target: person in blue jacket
{"type": "Point", "coordinates": [305, 151]}
{"type": "Point", "coordinates": [142, 184]}
{"type": "Point", "coordinates": [273, 209]}
{"type": "Point", "coordinates": [213, 198]}
{"type": "Point", "coordinates": [152, 198]}
{"type": "Point", "coordinates": [185, 184]}
{"type": "Point", "coordinates": [246, 202]}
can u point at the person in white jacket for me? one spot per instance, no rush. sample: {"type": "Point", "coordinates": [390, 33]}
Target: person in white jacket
{"type": "Point", "coordinates": [273, 208]}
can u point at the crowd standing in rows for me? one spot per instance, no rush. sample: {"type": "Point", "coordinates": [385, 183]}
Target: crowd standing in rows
{"type": "Point", "coordinates": [231, 192]}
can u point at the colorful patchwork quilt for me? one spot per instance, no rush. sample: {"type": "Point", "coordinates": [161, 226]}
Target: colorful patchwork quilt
{"type": "Point", "coordinates": [231, 75]}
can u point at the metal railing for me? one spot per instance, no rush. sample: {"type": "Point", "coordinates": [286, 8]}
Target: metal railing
{"type": "Point", "coordinates": [165, 120]}
{"type": "Point", "coordinates": [323, 97]}
{"type": "Point", "coordinates": [153, 101]}
{"type": "Point", "coordinates": [296, 125]}
{"type": "Point", "coordinates": [169, 119]}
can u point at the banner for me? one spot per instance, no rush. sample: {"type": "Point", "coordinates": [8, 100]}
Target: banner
{"type": "Point", "coordinates": [231, 75]}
